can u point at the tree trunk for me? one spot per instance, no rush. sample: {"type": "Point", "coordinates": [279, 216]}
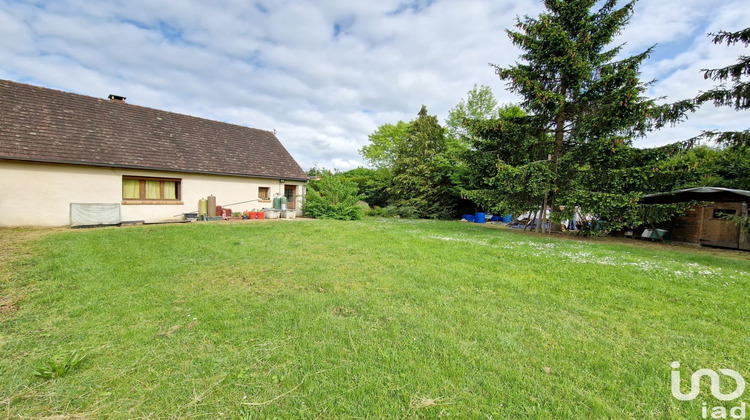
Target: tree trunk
{"type": "Point", "coordinates": [542, 215]}
{"type": "Point", "coordinates": [559, 150]}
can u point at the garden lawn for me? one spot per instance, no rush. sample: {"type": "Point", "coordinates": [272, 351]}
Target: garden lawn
{"type": "Point", "coordinates": [374, 318]}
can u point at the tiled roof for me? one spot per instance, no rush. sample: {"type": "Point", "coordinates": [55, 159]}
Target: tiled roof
{"type": "Point", "coordinates": [45, 125]}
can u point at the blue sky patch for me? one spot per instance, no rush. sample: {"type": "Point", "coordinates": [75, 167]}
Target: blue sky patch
{"type": "Point", "coordinates": [343, 26]}
{"type": "Point", "coordinates": [172, 33]}
{"type": "Point", "coordinates": [414, 7]}
{"type": "Point", "coordinates": [259, 7]}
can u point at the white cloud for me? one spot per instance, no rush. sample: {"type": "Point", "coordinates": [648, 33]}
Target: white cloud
{"type": "Point", "coordinates": [679, 76]}
{"type": "Point", "coordinates": [326, 73]}
{"type": "Point", "coordinates": [656, 22]}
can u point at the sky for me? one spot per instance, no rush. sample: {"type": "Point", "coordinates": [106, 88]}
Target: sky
{"type": "Point", "coordinates": [326, 73]}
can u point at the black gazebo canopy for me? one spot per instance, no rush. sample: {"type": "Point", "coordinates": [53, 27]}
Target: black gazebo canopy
{"type": "Point", "coordinates": [714, 194]}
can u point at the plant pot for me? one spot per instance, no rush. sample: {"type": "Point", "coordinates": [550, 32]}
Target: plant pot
{"type": "Point", "coordinates": [253, 214]}
{"type": "Point", "coordinates": [261, 215]}
{"type": "Point", "coordinates": [272, 214]}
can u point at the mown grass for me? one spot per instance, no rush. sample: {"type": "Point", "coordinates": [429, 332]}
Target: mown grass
{"type": "Point", "coordinates": [375, 318]}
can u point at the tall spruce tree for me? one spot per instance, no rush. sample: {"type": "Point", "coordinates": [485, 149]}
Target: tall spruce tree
{"type": "Point", "coordinates": [422, 170]}
{"type": "Point", "coordinates": [738, 95]}
{"type": "Point", "coordinates": [579, 93]}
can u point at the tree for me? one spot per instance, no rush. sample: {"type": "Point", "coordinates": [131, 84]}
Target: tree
{"type": "Point", "coordinates": [319, 172]}
{"type": "Point", "coordinates": [706, 166]}
{"type": "Point", "coordinates": [506, 163]}
{"type": "Point", "coordinates": [738, 95]}
{"type": "Point", "coordinates": [480, 104]}
{"type": "Point", "coordinates": [609, 179]}
{"type": "Point", "coordinates": [421, 170]}
{"type": "Point", "coordinates": [332, 198]}
{"type": "Point", "coordinates": [576, 91]}
{"type": "Point", "coordinates": [381, 152]}
{"type": "Point", "coordinates": [373, 184]}
{"type": "Point", "coordinates": [732, 169]}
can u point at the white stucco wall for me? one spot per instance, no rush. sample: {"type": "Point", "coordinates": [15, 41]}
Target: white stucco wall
{"type": "Point", "coordinates": [33, 194]}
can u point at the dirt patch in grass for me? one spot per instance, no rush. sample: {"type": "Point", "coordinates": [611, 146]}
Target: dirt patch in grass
{"type": "Point", "coordinates": [16, 245]}
{"type": "Point", "coordinates": [8, 306]}
{"type": "Point", "coordinates": [418, 402]}
{"type": "Point", "coordinates": [255, 278]}
{"type": "Point", "coordinates": [14, 242]}
{"type": "Point", "coordinates": [343, 311]}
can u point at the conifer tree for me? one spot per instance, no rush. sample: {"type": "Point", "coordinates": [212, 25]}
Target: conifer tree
{"type": "Point", "coordinates": [738, 95]}
{"type": "Point", "coordinates": [421, 170]}
{"type": "Point", "coordinates": [578, 92]}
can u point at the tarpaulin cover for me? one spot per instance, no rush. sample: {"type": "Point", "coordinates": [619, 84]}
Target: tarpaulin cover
{"type": "Point", "coordinates": [86, 214]}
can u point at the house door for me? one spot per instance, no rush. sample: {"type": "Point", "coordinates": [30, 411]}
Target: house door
{"type": "Point", "coordinates": [290, 192]}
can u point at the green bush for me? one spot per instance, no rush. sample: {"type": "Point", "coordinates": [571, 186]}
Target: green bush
{"type": "Point", "coordinates": [376, 211]}
{"type": "Point", "coordinates": [332, 198]}
{"type": "Point", "coordinates": [403, 212]}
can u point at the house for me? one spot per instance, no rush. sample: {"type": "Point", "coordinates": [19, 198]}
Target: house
{"type": "Point", "coordinates": [706, 222]}
{"type": "Point", "coordinates": [59, 149]}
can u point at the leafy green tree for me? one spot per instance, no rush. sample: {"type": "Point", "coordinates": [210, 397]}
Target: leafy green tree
{"type": "Point", "coordinates": [610, 179]}
{"type": "Point", "coordinates": [373, 184]}
{"type": "Point", "coordinates": [319, 172]}
{"type": "Point", "coordinates": [705, 166]}
{"type": "Point", "coordinates": [732, 169]}
{"type": "Point", "coordinates": [616, 176]}
{"type": "Point", "coordinates": [384, 142]}
{"type": "Point", "coordinates": [506, 164]}
{"type": "Point", "coordinates": [738, 95]}
{"type": "Point", "coordinates": [480, 104]}
{"type": "Point", "coordinates": [332, 198]}
{"type": "Point", "coordinates": [422, 170]}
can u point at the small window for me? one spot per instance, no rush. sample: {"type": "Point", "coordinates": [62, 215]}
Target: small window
{"type": "Point", "coordinates": [264, 193]}
{"type": "Point", "coordinates": [146, 190]}
{"type": "Point", "coordinates": [723, 213]}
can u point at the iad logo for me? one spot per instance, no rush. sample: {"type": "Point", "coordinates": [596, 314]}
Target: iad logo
{"type": "Point", "coordinates": [718, 412]}
{"type": "Point", "coordinates": [695, 382]}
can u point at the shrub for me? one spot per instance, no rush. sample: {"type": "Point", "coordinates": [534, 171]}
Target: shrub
{"type": "Point", "coordinates": [332, 198]}
{"type": "Point", "coordinates": [377, 211]}
{"type": "Point", "coordinates": [403, 212]}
